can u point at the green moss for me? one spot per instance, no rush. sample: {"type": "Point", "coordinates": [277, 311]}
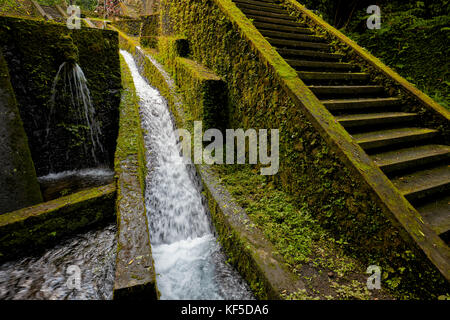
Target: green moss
{"type": "Point", "coordinates": [131, 27]}
{"type": "Point", "coordinates": [34, 51]}
{"type": "Point", "coordinates": [171, 47]}
{"type": "Point", "coordinates": [32, 229]}
{"type": "Point", "coordinates": [130, 142]}
{"type": "Point", "coordinates": [149, 31]}
{"type": "Point", "coordinates": [204, 93]}
{"type": "Point", "coordinates": [20, 187]}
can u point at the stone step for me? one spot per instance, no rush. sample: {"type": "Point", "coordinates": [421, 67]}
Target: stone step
{"type": "Point", "coordinates": [278, 21]}
{"type": "Point", "coordinates": [258, 3]}
{"type": "Point", "coordinates": [437, 214]}
{"type": "Point", "coordinates": [310, 54]}
{"type": "Point", "coordinates": [307, 75]}
{"type": "Point", "coordinates": [346, 90]}
{"type": "Point", "coordinates": [278, 27]}
{"type": "Point", "coordinates": [290, 36]}
{"type": "Point", "coordinates": [53, 12]}
{"type": "Point", "coordinates": [424, 183]}
{"type": "Point", "coordinates": [298, 44]}
{"type": "Point", "coordinates": [268, 14]}
{"type": "Point", "coordinates": [348, 104]}
{"type": "Point", "coordinates": [259, 8]}
{"type": "Point", "coordinates": [384, 138]}
{"type": "Point", "coordinates": [411, 157]}
{"type": "Point", "coordinates": [305, 64]}
{"type": "Point", "coordinates": [358, 120]}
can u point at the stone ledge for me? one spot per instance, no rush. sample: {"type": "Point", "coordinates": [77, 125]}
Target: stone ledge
{"type": "Point", "coordinates": [32, 229]}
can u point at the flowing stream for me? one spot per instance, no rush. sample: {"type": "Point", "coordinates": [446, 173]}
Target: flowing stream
{"type": "Point", "coordinates": [189, 262]}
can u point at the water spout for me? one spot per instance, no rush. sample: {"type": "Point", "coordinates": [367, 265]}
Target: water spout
{"type": "Point", "coordinates": [69, 89]}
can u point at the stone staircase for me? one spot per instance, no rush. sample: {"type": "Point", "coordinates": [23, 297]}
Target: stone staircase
{"type": "Point", "coordinates": [54, 13]}
{"type": "Point", "coordinates": [416, 159]}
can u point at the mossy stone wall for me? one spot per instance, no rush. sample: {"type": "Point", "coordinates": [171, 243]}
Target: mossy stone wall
{"type": "Point", "coordinates": [171, 47]}
{"type": "Point", "coordinates": [131, 27]}
{"type": "Point", "coordinates": [31, 230]}
{"type": "Point", "coordinates": [34, 51]}
{"type": "Point", "coordinates": [312, 172]}
{"type": "Point", "coordinates": [149, 30]}
{"type": "Point", "coordinates": [19, 185]}
{"type": "Point", "coordinates": [204, 93]}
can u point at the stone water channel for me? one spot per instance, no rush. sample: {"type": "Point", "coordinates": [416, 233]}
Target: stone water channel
{"type": "Point", "coordinates": [189, 261]}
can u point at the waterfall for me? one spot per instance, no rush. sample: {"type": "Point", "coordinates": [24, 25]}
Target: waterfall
{"type": "Point", "coordinates": [69, 89]}
{"type": "Point", "coordinates": [189, 262]}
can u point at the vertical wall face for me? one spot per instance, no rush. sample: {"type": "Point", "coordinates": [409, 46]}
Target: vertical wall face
{"type": "Point", "coordinates": [34, 51]}
{"type": "Point", "coordinates": [19, 185]}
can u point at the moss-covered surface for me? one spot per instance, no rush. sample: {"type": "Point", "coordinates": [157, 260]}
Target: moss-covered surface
{"type": "Point", "coordinates": [131, 27]}
{"type": "Point", "coordinates": [150, 31]}
{"type": "Point", "coordinates": [324, 170]}
{"type": "Point", "coordinates": [171, 47]}
{"type": "Point", "coordinates": [204, 93]}
{"type": "Point", "coordinates": [34, 51]}
{"type": "Point", "coordinates": [309, 251]}
{"type": "Point", "coordinates": [431, 113]}
{"type": "Point", "coordinates": [19, 8]}
{"type": "Point", "coordinates": [20, 187]}
{"type": "Point", "coordinates": [135, 273]}
{"type": "Point", "coordinates": [31, 230]}
{"type": "Point", "coordinates": [256, 259]}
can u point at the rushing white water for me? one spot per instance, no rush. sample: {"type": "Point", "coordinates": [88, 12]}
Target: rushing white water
{"type": "Point", "coordinates": [89, 173]}
{"type": "Point", "coordinates": [188, 260]}
{"type": "Point", "coordinates": [45, 277]}
{"type": "Point", "coordinates": [74, 92]}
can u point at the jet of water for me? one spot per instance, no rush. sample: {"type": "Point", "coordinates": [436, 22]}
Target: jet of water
{"type": "Point", "coordinates": [74, 92]}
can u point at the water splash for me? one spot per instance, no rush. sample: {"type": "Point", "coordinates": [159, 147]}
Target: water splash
{"type": "Point", "coordinates": [69, 89]}
{"type": "Point", "coordinates": [189, 262]}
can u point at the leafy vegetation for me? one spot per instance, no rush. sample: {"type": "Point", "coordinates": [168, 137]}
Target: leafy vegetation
{"type": "Point", "coordinates": [412, 40]}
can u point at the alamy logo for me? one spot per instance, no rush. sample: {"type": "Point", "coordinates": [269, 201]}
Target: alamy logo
{"type": "Point", "coordinates": [74, 279]}
{"type": "Point", "coordinates": [374, 21]}
{"type": "Point", "coordinates": [236, 143]}
{"type": "Point", "coordinates": [74, 19]}
{"type": "Point", "coordinates": [374, 281]}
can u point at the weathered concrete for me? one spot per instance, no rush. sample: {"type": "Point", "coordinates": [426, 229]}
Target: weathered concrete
{"type": "Point", "coordinates": [19, 185]}
{"type": "Point", "coordinates": [30, 230]}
